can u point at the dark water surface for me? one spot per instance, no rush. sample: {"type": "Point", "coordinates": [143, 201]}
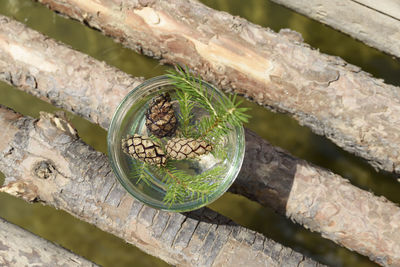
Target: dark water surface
{"type": "Point", "coordinates": [278, 129]}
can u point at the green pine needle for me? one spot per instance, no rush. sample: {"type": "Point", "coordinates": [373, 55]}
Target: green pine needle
{"type": "Point", "coordinates": [140, 172]}
{"type": "Point", "coordinates": [223, 116]}
{"type": "Point", "coordinates": [186, 105]}
{"type": "Point", "coordinates": [183, 186]}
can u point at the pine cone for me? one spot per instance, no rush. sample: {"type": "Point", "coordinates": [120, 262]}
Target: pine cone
{"type": "Point", "coordinates": [144, 149]}
{"type": "Point", "coordinates": [183, 148]}
{"type": "Point", "coordinates": [160, 117]}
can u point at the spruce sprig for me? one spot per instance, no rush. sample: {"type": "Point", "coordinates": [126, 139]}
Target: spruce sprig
{"type": "Point", "coordinates": [224, 114]}
{"type": "Point", "coordinates": [180, 185]}
{"type": "Point", "coordinates": [140, 172]}
{"type": "Point", "coordinates": [186, 105]}
{"type": "Point", "coordinates": [186, 82]}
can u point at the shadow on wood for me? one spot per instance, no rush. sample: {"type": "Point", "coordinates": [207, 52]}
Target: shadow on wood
{"type": "Point", "coordinates": [56, 168]}
{"type": "Point", "coordinates": [311, 196]}
{"type": "Point", "coordinates": [267, 174]}
{"type": "Point", "coordinates": [276, 70]}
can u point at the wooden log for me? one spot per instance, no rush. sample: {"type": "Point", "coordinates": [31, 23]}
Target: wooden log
{"type": "Point", "coordinates": [311, 196]}
{"type": "Point", "coordinates": [45, 161]}
{"type": "Point", "coordinates": [357, 112]}
{"type": "Point", "coordinates": [19, 247]}
{"type": "Point", "coordinates": [375, 23]}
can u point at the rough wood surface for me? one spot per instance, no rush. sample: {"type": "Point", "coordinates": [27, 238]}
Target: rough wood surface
{"type": "Point", "coordinates": [19, 247]}
{"type": "Point", "coordinates": [42, 70]}
{"type": "Point", "coordinates": [313, 197]}
{"type": "Point", "coordinates": [321, 201]}
{"type": "Point", "coordinates": [388, 7]}
{"type": "Point", "coordinates": [45, 163]}
{"type": "Point", "coordinates": [375, 23]}
{"type": "Point", "coordinates": [356, 111]}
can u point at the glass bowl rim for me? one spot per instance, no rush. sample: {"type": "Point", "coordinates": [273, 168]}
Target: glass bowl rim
{"type": "Point", "coordinates": [239, 151]}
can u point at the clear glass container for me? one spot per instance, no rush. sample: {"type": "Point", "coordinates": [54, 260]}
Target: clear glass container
{"type": "Point", "coordinates": [129, 119]}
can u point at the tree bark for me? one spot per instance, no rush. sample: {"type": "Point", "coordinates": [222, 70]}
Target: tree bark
{"type": "Point", "coordinates": [357, 112]}
{"type": "Point", "coordinates": [375, 23]}
{"type": "Point", "coordinates": [44, 161]}
{"type": "Point", "coordinates": [19, 247]}
{"type": "Point", "coordinates": [311, 196]}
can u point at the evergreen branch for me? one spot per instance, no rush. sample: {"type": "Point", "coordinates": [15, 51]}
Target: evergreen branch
{"type": "Point", "coordinates": [219, 151]}
{"type": "Point", "coordinates": [182, 185]}
{"type": "Point", "coordinates": [211, 127]}
{"type": "Point", "coordinates": [186, 82]}
{"type": "Point", "coordinates": [186, 105]}
{"type": "Point", "coordinates": [140, 172]}
{"type": "Point", "coordinates": [224, 114]}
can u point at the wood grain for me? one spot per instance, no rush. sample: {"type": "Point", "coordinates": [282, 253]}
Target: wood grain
{"type": "Point", "coordinates": [316, 198]}
{"type": "Point", "coordinates": [19, 247]}
{"type": "Point", "coordinates": [80, 181]}
{"type": "Point", "coordinates": [357, 112]}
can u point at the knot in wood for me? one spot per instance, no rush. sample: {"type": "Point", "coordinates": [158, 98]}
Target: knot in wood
{"type": "Point", "coordinates": [44, 169]}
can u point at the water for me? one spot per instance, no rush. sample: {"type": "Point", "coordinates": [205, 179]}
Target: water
{"type": "Point", "coordinates": [180, 183]}
{"type": "Point", "coordinates": [279, 129]}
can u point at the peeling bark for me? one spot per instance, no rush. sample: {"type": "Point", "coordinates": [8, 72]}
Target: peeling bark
{"type": "Point", "coordinates": [19, 247]}
{"type": "Point", "coordinates": [269, 175]}
{"type": "Point", "coordinates": [81, 182]}
{"type": "Point", "coordinates": [357, 112]}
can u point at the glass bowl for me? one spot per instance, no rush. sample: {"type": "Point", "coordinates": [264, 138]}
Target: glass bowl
{"type": "Point", "coordinates": [129, 119]}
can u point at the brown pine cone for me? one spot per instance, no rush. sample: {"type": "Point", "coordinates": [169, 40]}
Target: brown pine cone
{"type": "Point", "coordinates": [144, 149]}
{"type": "Point", "coordinates": [183, 148]}
{"type": "Point", "coordinates": [160, 117]}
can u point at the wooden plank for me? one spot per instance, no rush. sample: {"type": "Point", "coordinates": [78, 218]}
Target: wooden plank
{"type": "Point", "coordinates": [388, 7]}
{"type": "Point", "coordinates": [19, 247]}
{"type": "Point", "coordinates": [336, 99]}
{"type": "Point", "coordinates": [376, 23]}
{"type": "Point", "coordinates": [299, 190]}
{"type": "Point", "coordinates": [80, 181]}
